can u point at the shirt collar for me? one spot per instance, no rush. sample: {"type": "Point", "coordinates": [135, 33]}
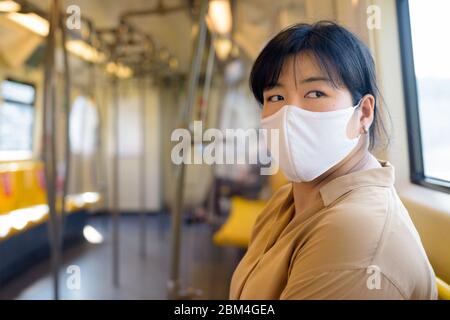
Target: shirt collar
{"type": "Point", "coordinates": [380, 177]}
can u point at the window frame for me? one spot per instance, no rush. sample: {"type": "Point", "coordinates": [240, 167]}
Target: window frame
{"type": "Point", "coordinates": [416, 163]}
{"type": "Point", "coordinates": [17, 155]}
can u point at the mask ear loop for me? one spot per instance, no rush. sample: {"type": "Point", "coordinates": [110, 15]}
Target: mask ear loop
{"type": "Point", "coordinates": [358, 104]}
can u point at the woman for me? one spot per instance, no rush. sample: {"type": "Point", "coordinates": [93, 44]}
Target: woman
{"type": "Point", "coordinates": [339, 230]}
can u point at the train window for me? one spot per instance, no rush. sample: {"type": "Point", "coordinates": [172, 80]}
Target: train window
{"type": "Point", "coordinates": [426, 76]}
{"type": "Point", "coordinates": [16, 120]}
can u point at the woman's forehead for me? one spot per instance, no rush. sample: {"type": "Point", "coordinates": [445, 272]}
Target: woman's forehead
{"type": "Point", "coordinates": [301, 68]}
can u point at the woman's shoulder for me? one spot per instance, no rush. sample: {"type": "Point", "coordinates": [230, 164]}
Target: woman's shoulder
{"type": "Point", "coordinates": [369, 220]}
{"type": "Point", "coordinates": [362, 204]}
{"type": "Point", "coordinates": [370, 227]}
{"type": "Point", "coordinates": [360, 214]}
{"type": "Point", "coordinates": [347, 234]}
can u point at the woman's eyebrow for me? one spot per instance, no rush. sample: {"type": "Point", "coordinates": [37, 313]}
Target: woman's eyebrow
{"type": "Point", "coordinates": [276, 85]}
{"type": "Point", "coordinates": [314, 79]}
{"type": "Point", "coordinates": [306, 80]}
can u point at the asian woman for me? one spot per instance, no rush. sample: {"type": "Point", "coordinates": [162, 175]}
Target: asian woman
{"type": "Point", "coordinates": [339, 229]}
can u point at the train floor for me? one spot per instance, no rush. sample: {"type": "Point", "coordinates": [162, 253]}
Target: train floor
{"type": "Point", "coordinates": [203, 266]}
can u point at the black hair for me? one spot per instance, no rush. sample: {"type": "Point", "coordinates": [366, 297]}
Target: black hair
{"type": "Point", "coordinates": [339, 53]}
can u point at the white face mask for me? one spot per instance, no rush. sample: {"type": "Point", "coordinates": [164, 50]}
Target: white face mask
{"type": "Point", "coordinates": [309, 143]}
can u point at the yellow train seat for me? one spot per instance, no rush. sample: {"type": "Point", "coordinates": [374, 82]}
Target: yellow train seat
{"type": "Point", "coordinates": [23, 197]}
{"type": "Point", "coordinates": [443, 289]}
{"type": "Point", "coordinates": [237, 229]}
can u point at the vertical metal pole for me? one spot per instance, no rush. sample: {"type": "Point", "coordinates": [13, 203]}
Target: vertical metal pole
{"type": "Point", "coordinates": [67, 150]}
{"type": "Point", "coordinates": [103, 154]}
{"type": "Point", "coordinates": [100, 147]}
{"type": "Point", "coordinates": [143, 171]}
{"type": "Point", "coordinates": [95, 169]}
{"type": "Point", "coordinates": [174, 282]}
{"type": "Point", "coordinates": [115, 188]}
{"type": "Point", "coordinates": [208, 81]}
{"type": "Point", "coordinates": [204, 119]}
{"type": "Point", "coordinates": [215, 192]}
{"type": "Point", "coordinates": [49, 144]}
{"type": "Point", "coordinates": [162, 155]}
{"type": "Point", "coordinates": [81, 155]}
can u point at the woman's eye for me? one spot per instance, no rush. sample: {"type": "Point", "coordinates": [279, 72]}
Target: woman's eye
{"type": "Point", "coordinates": [275, 98]}
{"type": "Point", "coordinates": [314, 94]}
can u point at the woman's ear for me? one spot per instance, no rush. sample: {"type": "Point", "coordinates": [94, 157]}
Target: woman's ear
{"type": "Point", "coordinates": [366, 114]}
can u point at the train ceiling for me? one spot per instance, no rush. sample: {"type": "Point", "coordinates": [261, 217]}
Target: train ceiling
{"type": "Point", "coordinates": [254, 21]}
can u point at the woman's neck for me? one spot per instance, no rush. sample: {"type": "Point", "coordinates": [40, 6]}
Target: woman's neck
{"type": "Point", "coordinates": [359, 159]}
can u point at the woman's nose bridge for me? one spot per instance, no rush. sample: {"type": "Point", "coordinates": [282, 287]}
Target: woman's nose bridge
{"type": "Point", "coordinates": [294, 98]}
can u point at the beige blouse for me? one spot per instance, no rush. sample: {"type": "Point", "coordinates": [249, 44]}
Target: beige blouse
{"type": "Point", "coordinates": [356, 241]}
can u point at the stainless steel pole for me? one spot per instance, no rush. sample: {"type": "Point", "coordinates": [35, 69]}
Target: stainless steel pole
{"type": "Point", "coordinates": [204, 118]}
{"type": "Point", "coordinates": [98, 177]}
{"type": "Point", "coordinates": [115, 188]}
{"type": "Point", "coordinates": [81, 156]}
{"type": "Point", "coordinates": [143, 173]}
{"type": "Point", "coordinates": [174, 282]}
{"type": "Point", "coordinates": [67, 106]}
{"type": "Point", "coordinates": [208, 81]}
{"type": "Point", "coordinates": [49, 144]}
{"type": "Point", "coordinates": [102, 150]}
